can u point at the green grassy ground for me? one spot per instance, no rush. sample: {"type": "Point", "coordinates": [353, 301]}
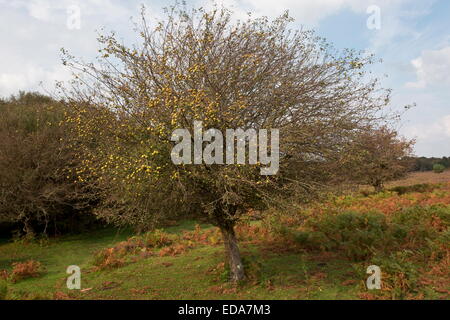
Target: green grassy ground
{"type": "Point", "coordinates": [405, 233]}
{"type": "Point", "coordinates": [187, 276]}
{"type": "Point", "coordinates": [55, 255]}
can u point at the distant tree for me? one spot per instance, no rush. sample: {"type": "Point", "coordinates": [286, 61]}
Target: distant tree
{"type": "Point", "coordinates": [438, 168]}
{"type": "Point", "coordinates": [201, 66]}
{"type": "Point", "coordinates": [426, 164]}
{"type": "Point", "coordinates": [445, 161]}
{"type": "Point", "coordinates": [423, 164]}
{"type": "Point", "coordinates": [380, 155]}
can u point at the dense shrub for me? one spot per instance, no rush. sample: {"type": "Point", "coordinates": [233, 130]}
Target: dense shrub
{"type": "Point", "coordinates": [438, 168]}
{"type": "Point", "coordinates": [422, 187]}
{"type": "Point", "coordinates": [426, 164]}
{"type": "Point", "coordinates": [27, 269]}
{"type": "Point", "coordinates": [157, 239]}
{"type": "Point", "coordinates": [108, 259]}
{"type": "Point", "coordinates": [400, 274]}
{"type": "Point", "coordinates": [38, 189]}
{"type": "Point", "coordinates": [359, 236]}
{"type": "Point", "coordinates": [354, 233]}
{"type": "Point", "coordinates": [421, 224]}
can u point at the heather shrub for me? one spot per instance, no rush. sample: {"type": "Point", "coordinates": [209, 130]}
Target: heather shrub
{"type": "Point", "coordinates": [400, 274]}
{"type": "Point", "coordinates": [108, 259]}
{"type": "Point", "coordinates": [420, 224]}
{"type": "Point", "coordinates": [438, 168]}
{"type": "Point", "coordinates": [175, 249]}
{"type": "Point", "coordinates": [158, 239]}
{"type": "Point", "coordinates": [355, 234]}
{"type": "Point", "coordinates": [360, 235]}
{"type": "Point", "coordinates": [130, 246]}
{"type": "Point", "coordinates": [27, 269]}
{"type": "Point", "coordinates": [422, 187]}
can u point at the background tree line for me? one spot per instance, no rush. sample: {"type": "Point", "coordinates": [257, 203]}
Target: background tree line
{"type": "Point", "coordinates": [427, 164]}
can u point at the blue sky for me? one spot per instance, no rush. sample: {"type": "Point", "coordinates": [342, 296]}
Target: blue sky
{"type": "Point", "coordinates": [413, 40]}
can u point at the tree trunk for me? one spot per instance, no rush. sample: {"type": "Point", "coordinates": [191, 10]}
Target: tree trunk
{"type": "Point", "coordinates": [232, 253]}
{"type": "Point", "coordinates": [28, 229]}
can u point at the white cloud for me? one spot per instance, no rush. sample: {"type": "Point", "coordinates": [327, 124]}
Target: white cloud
{"type": "Point", "coordinates": [432, 68]}
{"type": "Point", "coordinates": [33, 32]}
{"type": "Point", "coordinates": [432, 139]}
{"type": "Point", "coordinates": [397, 16]}
{"type": "Point", "coordinates": [39, 9]}
{"type": "Point", "coordinates": [30, 79]}
{"type": "Point", "coordinates": [306, 12]}
{"type": "Point", "coordinates": [429, 132]}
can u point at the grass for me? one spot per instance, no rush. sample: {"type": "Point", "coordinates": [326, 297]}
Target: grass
{"type": "Point", "coordinates": [55, 255]}
{"type": "Point", "coordinates": [193, 275]}
{"type": "Point", "coordinates": [278, 266]}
